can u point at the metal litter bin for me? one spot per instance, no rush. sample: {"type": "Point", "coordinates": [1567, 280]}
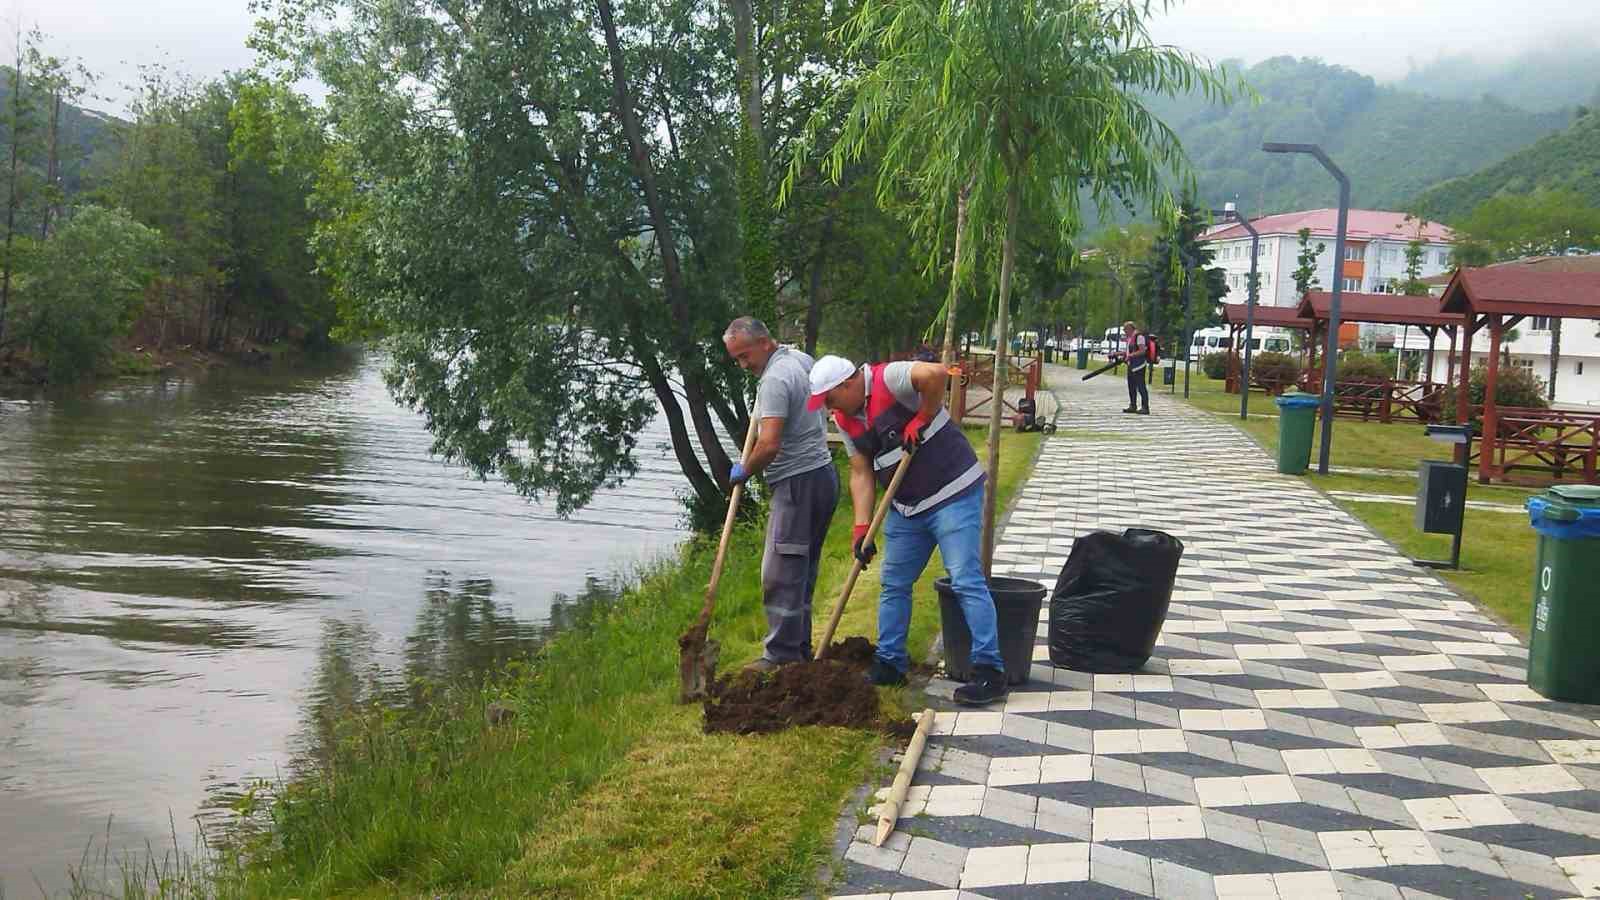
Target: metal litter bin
{"type": "Point", "coordinates": [1562, 662]}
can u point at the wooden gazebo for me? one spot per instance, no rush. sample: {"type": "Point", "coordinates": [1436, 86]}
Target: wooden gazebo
{"type": "Point", "coordinates": [1544, 441]}
{"type": "Point", "coordinates": [1234, 316]}
{"type": "Point", "coordinates": [1423, 400]}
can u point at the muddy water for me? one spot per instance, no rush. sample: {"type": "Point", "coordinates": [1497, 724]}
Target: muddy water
{"type": "Point", "coordinates": [192, 571]}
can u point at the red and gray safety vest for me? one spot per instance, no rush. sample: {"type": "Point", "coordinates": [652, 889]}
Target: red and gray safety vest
{"type": "Point", "coordinates": [945, 464]}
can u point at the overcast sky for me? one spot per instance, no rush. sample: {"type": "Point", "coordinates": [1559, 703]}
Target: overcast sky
{"type": "Point", "coordinates": [1378, 37]}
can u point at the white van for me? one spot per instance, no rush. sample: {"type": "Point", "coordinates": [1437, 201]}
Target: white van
{"type": "Point", "coordinates": [1210, 340]}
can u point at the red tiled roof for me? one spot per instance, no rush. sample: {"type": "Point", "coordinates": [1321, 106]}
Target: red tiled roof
{"type": "Point", "coordinates": [1266, 316]}
{"type": "Point", "coordinates": [1362, 225]}
{"type": "Point", "coordinates": [1524, 291]}
{"type": "Point", "coordinates": [1590, 263]}
{"type": "Point", "coordinates": [1381, 309]}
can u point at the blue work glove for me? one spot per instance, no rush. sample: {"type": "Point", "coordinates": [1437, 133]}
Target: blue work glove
{"type": "Point", "coordinates": [737, 475]}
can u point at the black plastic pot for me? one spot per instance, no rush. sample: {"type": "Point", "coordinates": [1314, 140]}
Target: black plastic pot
{"type": "Point", "coordinates": [1017, 602]}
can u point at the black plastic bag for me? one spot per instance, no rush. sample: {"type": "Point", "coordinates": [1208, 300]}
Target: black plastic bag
{"type": "Point", "coordinates": [1111, 599]}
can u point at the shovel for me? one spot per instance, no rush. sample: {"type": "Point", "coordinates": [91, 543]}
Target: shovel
{"type": "Point", "coordinates": [855, 571]}
{"type": "Point", "coordinates": [697, 655]}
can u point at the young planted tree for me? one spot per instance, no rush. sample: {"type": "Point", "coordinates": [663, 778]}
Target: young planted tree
{"type": "Point", "coordinates": [1020, 99]}
{"type": "Point", "coordinates": [1305, 272]}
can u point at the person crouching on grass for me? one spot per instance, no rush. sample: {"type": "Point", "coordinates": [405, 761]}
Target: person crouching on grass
{"type": "Point", "coordinates": [885, 411]}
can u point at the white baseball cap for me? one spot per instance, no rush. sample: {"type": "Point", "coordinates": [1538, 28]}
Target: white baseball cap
{"type": "Point", "coordinates": [827, 373]}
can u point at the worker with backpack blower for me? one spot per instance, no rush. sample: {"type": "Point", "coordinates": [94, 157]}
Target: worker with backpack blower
{"type": "Point", "coordinates": [1141, 353]}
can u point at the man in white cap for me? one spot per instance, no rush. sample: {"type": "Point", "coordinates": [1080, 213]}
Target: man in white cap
{"type": "Point", "coordinates": [885, 411]}
{"type": "Point", "coordinates": [791, 451]}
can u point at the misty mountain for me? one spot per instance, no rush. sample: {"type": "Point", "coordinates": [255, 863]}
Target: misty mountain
{"type": "Point", "coordinates": [1569, 159]}
{"type": "Point", "coordinates": [84, 132]}
{"type": "Point", "coordinates": [1392, 143]}
{"type": "Point", "coordinates": [1550, 78]}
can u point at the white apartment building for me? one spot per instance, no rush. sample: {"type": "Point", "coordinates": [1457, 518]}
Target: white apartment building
{"type": "Point", "coordinates": [1578, 366]}
{"type": "Point", "coordinates": [1374, 257]}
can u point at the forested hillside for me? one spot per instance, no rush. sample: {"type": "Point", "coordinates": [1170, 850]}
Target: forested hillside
{"type": "Point", "coordinates": [1545, 79]}
{"type": "Point", "coordinates": [1566, 160]}
{"type": "Point", "coordinates": [1392, 143]}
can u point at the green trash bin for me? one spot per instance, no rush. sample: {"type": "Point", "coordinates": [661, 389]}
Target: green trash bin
{"type": "Point", "coordinates": [1297, 419]}
{"type": "Point", "coordinates": [1562, 662]}
{"type": "Point", "coordinates": [1083, 357]}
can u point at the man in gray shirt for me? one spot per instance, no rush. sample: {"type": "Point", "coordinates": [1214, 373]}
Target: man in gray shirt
{"type": "Point", "coordinates": [792, 452]}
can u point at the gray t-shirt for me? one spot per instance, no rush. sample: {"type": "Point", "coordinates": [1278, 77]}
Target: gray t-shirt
{"type": "Point", "coordinates": [897, 375]}
{"type": "Point", "coordinates": [782, 393]}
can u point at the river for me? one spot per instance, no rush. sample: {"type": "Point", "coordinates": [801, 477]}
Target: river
{"type": "Point", "coordinates": [193, 570]}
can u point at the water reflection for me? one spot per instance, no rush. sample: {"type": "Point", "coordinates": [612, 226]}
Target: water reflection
{"type": "Point", "coordinates": [195, 574]}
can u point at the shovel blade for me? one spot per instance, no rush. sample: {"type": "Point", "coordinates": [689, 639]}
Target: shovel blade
{"type": "Point", "coordinates": [697, 667]}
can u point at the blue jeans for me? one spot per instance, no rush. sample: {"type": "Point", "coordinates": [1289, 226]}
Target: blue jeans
{"type": "Point", "coordinates": [956, 528]}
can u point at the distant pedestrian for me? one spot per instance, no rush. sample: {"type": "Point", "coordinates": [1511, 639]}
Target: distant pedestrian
{"type": "Point", "coordinates": [1138, 355]}
{"type": "Point", "coordinates": [792, 451]}
{"type": "Point", "coordinates": [884, 411]}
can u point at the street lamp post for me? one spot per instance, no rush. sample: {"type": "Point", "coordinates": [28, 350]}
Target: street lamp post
{"type": "Point", "coordinates": [1229, 212]}
{"type": "Point", "coordinates": [1121, 295]}
{"type": "Point", "coordinates": [1330, 360]}
{"type": "Point", "coordinates": [1188, 332]}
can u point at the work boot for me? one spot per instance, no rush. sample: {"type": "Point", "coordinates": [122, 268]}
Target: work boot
{"type": "Point", "coordinates": [884, 675]}
{"type": "Point", "coordinates": [761, 666]}
{"type": "Point", "coordinates": [1131, 409]}
{"type": "Point", "coordinates": [987, 686]}
{"type": "Point", "coordinates": [1144, 412]}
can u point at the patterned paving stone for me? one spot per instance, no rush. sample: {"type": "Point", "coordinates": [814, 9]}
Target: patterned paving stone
{"type": "Point", "coordinates": [1321, 717]}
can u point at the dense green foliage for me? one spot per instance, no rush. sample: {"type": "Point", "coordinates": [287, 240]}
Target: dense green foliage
{"type": "Point", "coordinates": [1215, 365]}
{"type": "Point", "coordinates": [218, 175]}
{"type": "Point", "coordinates": [1544, 223]}
{"type": "Point", "coordinates": [1554, 76]}
{"type": "Point", "coordinates": [1160, 282]}
{"type": "Point", "coordinates": [1365, 367]}
{"type": "Point", "coordinates": [1274, 368]}
{"type": "Point", "coordinates": [1568, 160]}
{"type": "Point", "coordinates": [1392, 143]}
{"type": "Point", "coordinates": [85, 286]}
{"type": "Point", "coordinates": [1514, 386]}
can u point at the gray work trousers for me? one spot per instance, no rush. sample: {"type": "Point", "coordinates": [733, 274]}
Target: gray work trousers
{"type": "Point", "coordinates": [802, 507]}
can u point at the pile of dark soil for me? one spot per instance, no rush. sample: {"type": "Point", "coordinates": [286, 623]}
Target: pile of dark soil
{"type": "Point", "coordinates": [828, 691]}
{"type": "Point", "coordinates": [823, 692]}
{"type": "Point", "coordinates": [856, 652]}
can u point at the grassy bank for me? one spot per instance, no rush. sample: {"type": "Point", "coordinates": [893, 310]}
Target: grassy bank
{"type": "Point", "coordinates": [601, 785]}
{"type": "Point", "coordinates": [1356, 444]}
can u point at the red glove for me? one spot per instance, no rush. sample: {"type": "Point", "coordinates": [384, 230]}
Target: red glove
{"type": "Point", "coordinates": [911, 437]}
{"type": "Point", "coordinates": [863, 550]}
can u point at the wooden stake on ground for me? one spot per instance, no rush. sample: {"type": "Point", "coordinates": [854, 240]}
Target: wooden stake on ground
{"type": "Point", "coordinates": [902, 779]}
{"type": "Point", "coordinates": [855, 570]}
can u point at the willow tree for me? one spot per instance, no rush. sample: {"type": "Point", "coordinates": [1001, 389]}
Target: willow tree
{"type": "Point", "coordinates": [1007, 100]}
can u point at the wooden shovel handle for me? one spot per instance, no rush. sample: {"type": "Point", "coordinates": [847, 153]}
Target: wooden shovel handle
{"type": "Point", "coordinates": [855, 570]}
{"type": "Point", "coordinates": [727, 527]}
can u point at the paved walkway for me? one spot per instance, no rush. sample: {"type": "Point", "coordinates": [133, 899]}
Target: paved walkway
{"type": "Point", "coordinates": [1321, 718]}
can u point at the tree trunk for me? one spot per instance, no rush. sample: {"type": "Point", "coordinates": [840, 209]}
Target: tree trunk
{"type": "Point", "coordinates": [682, 449]}
{"type": "Point", "coordinates": [52, 171]}
{"type": "Point", "coordinates": [11, 196]}
{"type": "Point", "coordinates": [755, 202]}
{"type": "Point", "coordinates": [1555, 357]}
{"type": "Point", "coordinates": [687, 359]}
{"type": "Point", "coordinates": [997, 402]}
{"type": "Point", "coordinates": [815, 300]}
{"type": "Point", "coordinates": [962, 196]}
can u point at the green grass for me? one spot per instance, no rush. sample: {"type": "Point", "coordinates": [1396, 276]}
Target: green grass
{"type": "Point", "coordinates": [601, 785]}
{"type": "Point", "coordinates": [1405, 485]}
{"type": "Point", "coordinates": [1497, 554]}
{"type": "Point", "coordinates": [1356, 444]}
